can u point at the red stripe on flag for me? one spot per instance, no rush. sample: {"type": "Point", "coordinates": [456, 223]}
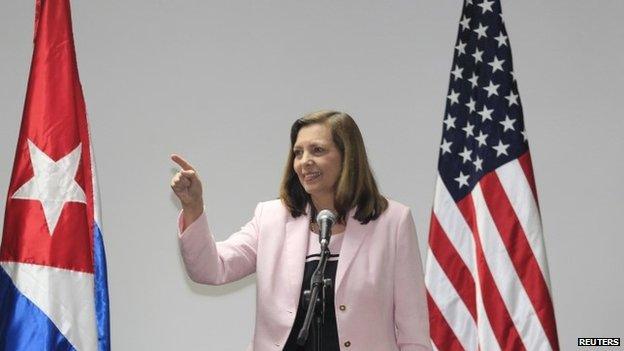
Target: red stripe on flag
{"type": "Point", "coordinates": [498, 315]}
{"type": "Point", "coordinates": [451, 262]}
{"type": "Point", "coordinates": [441, 333]}
{"type": "Point", "coordinates": [520, 252]}
{"type": "Point", "coordinates": [527, 167]}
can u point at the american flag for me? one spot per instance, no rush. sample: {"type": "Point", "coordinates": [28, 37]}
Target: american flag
{"type": "Point", "coordinates": [486, 273]}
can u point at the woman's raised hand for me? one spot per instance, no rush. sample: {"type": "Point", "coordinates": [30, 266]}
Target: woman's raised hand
{"type": "Point", "coordinates": [187, 187]}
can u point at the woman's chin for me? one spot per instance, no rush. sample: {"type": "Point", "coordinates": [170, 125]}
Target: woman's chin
{"type": "Point", "coordinates": [311, 190]}
{"type": "Point", "coordinates": [317, 193]}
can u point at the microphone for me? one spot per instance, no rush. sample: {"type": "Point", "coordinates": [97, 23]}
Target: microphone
{"type": "Point", "coordinates": [325, 220]}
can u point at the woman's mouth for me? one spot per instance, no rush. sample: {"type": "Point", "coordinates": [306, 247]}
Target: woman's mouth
{"type": "Point", "coordinates": [309, 177]}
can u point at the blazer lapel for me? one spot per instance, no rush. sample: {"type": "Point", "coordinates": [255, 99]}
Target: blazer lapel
{"type": "Point", "coordinates": [354, 236]}
{"type": "Point", "coordinates": [297, 237]}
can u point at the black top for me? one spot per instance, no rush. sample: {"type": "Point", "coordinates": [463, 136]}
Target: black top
{"type": "Point", "coordinates": [330, 330]}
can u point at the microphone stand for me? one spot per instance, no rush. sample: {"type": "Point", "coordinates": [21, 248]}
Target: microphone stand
{"type": "Point", "coordinates": [316, 304]}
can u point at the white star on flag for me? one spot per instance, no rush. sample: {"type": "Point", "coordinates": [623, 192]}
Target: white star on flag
{"type": "Point", "coordinates": [501, 149]}
{"type": "Point", "coordinates": [53, 183]}
{"type": "Point", "coordinates": [512, 98]}
{"type": "Point", "coordinates": [457, 72]}
{"type": "Point", "coordinates": [492, 89]}
{"type": "Point", "coordinates": [485, 114]}
{"type": "Point", "coordinates": [471, 105]}
{"type": "Point", "coordinates": [450, 122]}
{"type": "Point", "coordinates": [446, 146]}
{"type": "Point", "coordinates": [481, 31]}
{"type": "Point", "coordinates": [468, 129]}
{"type": "Point", "coordinates": [497, 65]}
{"type": "Point", "coordinates": [465, 23]}
{"type": "Point", "coordinates": [508, 123]}
{"type": "Point", "coordinates": [478, 55]}
{"type": "Point", "coordinates": [454, 97]}
{"type": "Point", "coordinates": [478, 163]}
{"type": "Point", "coordinates": [481, 139]}
{"type": "Point", "coordinates": [465, 155]}
{"type": "Point", "coordinates": [486, 6]}
{"type": "Point", "coordinates": [462, 179]}
{"type": "Point", "coordinates": [474, 80]}
{"type": "Point", "coordinates": [501, 39]}
{"type": "Point", "coordinates": [461, 48]}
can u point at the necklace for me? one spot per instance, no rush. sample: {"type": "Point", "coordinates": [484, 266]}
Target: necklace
{"type": "Point", "coordinates": [314, 226]}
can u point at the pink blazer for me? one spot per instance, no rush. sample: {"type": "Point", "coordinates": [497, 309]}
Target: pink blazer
{"type": "Point", "coordinates": [379, 278]}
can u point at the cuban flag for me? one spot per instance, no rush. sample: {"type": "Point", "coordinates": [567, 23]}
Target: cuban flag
{"type": "Point", "coordinates": [53, 288]}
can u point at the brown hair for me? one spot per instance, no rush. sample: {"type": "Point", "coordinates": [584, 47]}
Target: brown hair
{"type": "Point", "coordinates": [356, 186]}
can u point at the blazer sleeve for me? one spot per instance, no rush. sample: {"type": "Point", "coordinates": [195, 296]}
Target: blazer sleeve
{"type": "Point", "coordinates": [217, 263]}
{"type": "Point", "coordinates": [410, 302]}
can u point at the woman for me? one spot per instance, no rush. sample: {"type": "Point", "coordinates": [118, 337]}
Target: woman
{"type": "Point", "coordinates": [378, 302]}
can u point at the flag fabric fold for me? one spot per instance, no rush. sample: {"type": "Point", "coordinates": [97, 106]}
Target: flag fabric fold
{"type": "Point", "coordinates": [53, 283]}
{"type": "Point", "coordinates": [486, 273]}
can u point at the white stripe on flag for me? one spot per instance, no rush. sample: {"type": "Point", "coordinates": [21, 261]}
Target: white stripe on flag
{"type": "Point", "coordinates": [516, 185]}
{"type": "Point", "coordinates": [455, 226]}
{"type": "Point", "coordinates": [487, 339]}
{"type": "Point", "coordinates": [450, 304]}
{"type": "Point", "coordinates": [65, 296]}
{"type": "Point", "coordinates": [506, 278]}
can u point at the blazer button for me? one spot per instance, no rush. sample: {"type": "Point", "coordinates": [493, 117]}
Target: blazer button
{"type": "Point", "coordinates": [347, 343]}
{"type": "Point", "coordinates": [343, 307]}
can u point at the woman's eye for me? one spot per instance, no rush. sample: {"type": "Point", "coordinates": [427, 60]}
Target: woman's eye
{"type": "Point", "coordinates": [297, 152]}
{"type": "Point", "coordinates": [318, 149]}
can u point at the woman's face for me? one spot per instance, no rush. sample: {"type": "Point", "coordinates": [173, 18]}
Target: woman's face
{"type": "Point", "coordinates": [317, 160]}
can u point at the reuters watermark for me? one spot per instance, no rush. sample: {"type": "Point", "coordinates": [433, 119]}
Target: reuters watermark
{"type": "Point", "coordinates": [599, 342]}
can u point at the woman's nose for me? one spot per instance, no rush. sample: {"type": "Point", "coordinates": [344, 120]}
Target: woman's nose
{"type": "Point", "coordinates": [307, 159]}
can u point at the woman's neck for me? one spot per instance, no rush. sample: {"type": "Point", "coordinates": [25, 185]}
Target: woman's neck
{"type": "Point", "coordinates": [327, 203]}
{"type": "Point", "coordinates": [324, 203]}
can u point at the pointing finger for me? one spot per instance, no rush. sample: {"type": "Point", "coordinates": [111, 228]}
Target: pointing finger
{"type": "Point", "coordinates": [182, 162]}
